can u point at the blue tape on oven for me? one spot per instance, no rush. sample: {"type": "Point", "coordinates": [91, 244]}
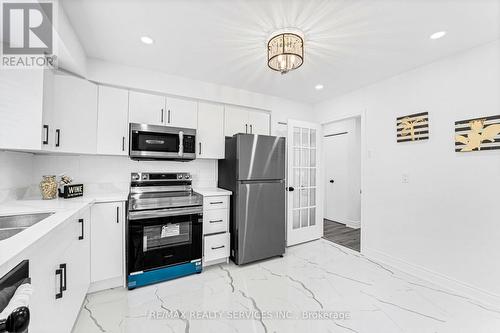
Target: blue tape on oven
{"type": "Point", "coordinates": [163, 274]}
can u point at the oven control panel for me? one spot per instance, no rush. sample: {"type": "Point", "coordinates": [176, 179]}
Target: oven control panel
{"type": "Point", "coordinates": [159, 176]}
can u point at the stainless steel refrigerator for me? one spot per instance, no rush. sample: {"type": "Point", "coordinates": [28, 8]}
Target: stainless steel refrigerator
{"type": "Point", "coordinates": [254, 170]}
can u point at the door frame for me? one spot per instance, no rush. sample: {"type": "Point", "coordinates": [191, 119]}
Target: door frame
{"type": "Point", "coordinates": [319, 185]}
{"type": "Point", "coordinates": [365, 154]}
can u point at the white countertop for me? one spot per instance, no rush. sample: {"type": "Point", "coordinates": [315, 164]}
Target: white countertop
{"type": "Point", "coordinates": [211, 191]}
{"type": "Point", "coordinates": [62, 209]}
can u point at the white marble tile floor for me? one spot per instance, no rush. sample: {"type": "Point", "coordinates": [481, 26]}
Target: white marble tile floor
{"type": "Point", "coordinates": [318, 279]}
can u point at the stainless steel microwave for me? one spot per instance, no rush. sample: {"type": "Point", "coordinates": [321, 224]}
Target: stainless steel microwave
{"type": "Point", "coordinates": [153, 142]}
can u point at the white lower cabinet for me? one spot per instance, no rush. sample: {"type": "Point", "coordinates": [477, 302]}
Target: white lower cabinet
{"type": "Point", "coordinates": [216, 247]}
{"type": "Point", "coordinates": [215, 221]}
{"type": "Point", "coordinates": [106, 252]}
{"type": "Point", "coordinates": [216, 240]}
{"type": "Point", "coordinates": [60, 275]}
{"type": "Point", "coordinates": [215, 202]}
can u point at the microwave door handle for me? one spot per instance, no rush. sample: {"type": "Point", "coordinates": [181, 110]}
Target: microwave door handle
{"type": "Point", "coordinates": [181, 143]}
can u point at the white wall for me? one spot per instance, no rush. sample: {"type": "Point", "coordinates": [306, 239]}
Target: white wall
{"type": "Point", "coordinates": [15, 170]}
{"type": "Point", "coordinates": [143, 79]}
{"type": "Point", "coordinates": [67, 47]}
{"type": "Point", "coordinates": [446, 220]}
{"type": "Point", "coordinates": [347, 207]}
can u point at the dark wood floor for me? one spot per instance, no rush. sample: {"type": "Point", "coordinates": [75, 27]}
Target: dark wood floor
{"type": "Point", "coordinates": [339, 233]}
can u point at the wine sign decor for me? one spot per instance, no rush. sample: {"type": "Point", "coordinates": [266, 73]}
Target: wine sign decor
{"type": "Point", "coordinates": [71, 191]}
{"type": "Point", "coordinates": [413, 127]}
{"type": "Point", "coordinates": [477, 134]}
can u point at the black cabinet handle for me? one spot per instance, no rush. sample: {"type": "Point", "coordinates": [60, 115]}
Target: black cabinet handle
{"type": "Point", "coordinates": [331, 181]}
{"type": "Point", "coordinates": [123, 143]}
{"type": "Point", "coordinates": [46, 140]}
{"type": "Point", "coordinates": [216, 202]}
{"type": "Point", "coordinates": [118, 214]}
{"type": "Point", "coordinates": [200, 148]}
{"type": "Point", "coordinates": [161, 116]}
{"type": "Point", "coordinates": [83, 229]}
{"type": "Point", "coordinates": [251, 129]}
{"type": "Point", "coordinates": [60, 293]}
{"type": "Point", "coordinates": [218, 247]}
{"type": "Point", "coordinates": [64, 274]}
{"type": "Point", "coordinates": [58, 137]}
{"type": "Point", "coordinates": [246, 128]}
{"type": "Point", "coordinates": [216, 221]}
{"type": "Point", "coordinates": [169, 116]}
{"type": "Point", "coordinates": [290, 189]}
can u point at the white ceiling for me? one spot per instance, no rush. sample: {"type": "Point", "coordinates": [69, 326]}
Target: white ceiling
{"type": "Point", "coordinates": [348, 43]}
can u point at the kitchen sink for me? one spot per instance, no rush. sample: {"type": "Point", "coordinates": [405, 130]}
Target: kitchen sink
{"type": "Point", "coordinates": [13, 224]}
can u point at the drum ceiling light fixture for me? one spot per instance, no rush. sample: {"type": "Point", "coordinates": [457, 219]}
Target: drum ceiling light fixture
{"type": "Point", "coordinates": [285, 50]}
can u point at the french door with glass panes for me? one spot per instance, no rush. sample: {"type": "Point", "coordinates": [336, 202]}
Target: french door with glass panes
{"type": "Point", "coordinates": [305, 215]}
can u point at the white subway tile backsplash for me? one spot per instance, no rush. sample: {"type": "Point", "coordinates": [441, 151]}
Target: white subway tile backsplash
{"type": "Point", "coordinates": [116, 169]}
{"type": "Point", "coordinates": [16, 170]}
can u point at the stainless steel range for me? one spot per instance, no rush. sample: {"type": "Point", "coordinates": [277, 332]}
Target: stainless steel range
{"type": "Point", "coordinates": [164, 231]}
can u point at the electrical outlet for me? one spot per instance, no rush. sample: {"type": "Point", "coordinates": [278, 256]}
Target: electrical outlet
{"type": "Point", "coordinates": [405, 178]}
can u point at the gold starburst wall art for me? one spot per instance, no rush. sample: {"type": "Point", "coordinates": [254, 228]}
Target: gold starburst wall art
{"type": "Point", "coordinates": [477, 134]}
{"type": "Point", "coordinates": [413, 127]}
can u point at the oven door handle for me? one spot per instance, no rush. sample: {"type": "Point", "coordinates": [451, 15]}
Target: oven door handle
{"type": "Point", "coordinates": [149, 214]}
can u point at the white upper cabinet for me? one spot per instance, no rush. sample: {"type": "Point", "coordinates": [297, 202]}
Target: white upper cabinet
{"type": "Point", "coordinates": [210, 131]}
{"type": "Point", "coordinates": [21, 95]}
{"type": "Point", "coordinates": [74, 115]}
{"type": "Point", "coordinates": [258, 123]}
{"type": "Point", "coordinates": [147, 108]}
{"type": "Point", "coordinates": [181, 113]}
{"type": "Point", "coordinates": [236, 120]}
{"type": "Point", "coordinates": [112, 121]}
{"type": "Point", "coordinates": [244, 120]}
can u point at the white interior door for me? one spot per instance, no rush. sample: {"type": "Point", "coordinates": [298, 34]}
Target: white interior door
{"type": "Point", "coordinates": [342, 152]}
{"type": "Point", "coordinates": [336, 177]}
{"type": "Point", "coordinates": [305, 216]}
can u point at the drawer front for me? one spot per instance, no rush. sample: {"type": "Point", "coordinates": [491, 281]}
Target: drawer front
{"type": "Point", "coordinates": [215, 221]}
{"type": "Point", "coordinates": [218, 202]}
{"type": "Point", "coordinates": [216, 247]}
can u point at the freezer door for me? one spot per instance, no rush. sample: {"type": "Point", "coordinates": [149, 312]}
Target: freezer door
{"type": "Point", "coordinates": [260, 157]}
{"type": "Point", "coordinates": [261, 223]}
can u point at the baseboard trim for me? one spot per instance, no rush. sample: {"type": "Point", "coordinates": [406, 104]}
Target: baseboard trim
{"type": "Point", "coordinates": [353, 224]}
{"type": "Point", "coordinates": [349, 223]}
{"type": "Point", "coordinates": [106, 284]}
{"type": "Point", "coordinates": [439, 279]}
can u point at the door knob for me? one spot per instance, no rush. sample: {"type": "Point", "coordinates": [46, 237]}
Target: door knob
{"type": "Point", "coordinates": [291, 189]}
{"type": "Point", "coordinates": [331, 181]}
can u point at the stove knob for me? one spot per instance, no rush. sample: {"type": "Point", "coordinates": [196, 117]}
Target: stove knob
{"type": "Point", "coordinates": [186, 177]}
{"type": "Point", "coordinates": [144, 177]}
{"type": "Point", "coordinates": [135, 177]}
{"type": "Point", "coordinates": [179, 176]}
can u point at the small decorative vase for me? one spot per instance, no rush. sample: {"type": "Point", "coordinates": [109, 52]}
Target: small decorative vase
{"type": "Point", "coordinates": [48, 187]}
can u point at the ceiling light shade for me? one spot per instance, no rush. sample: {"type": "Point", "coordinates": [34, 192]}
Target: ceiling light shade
{"type": "Point", "coordinates": [285, 51]}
